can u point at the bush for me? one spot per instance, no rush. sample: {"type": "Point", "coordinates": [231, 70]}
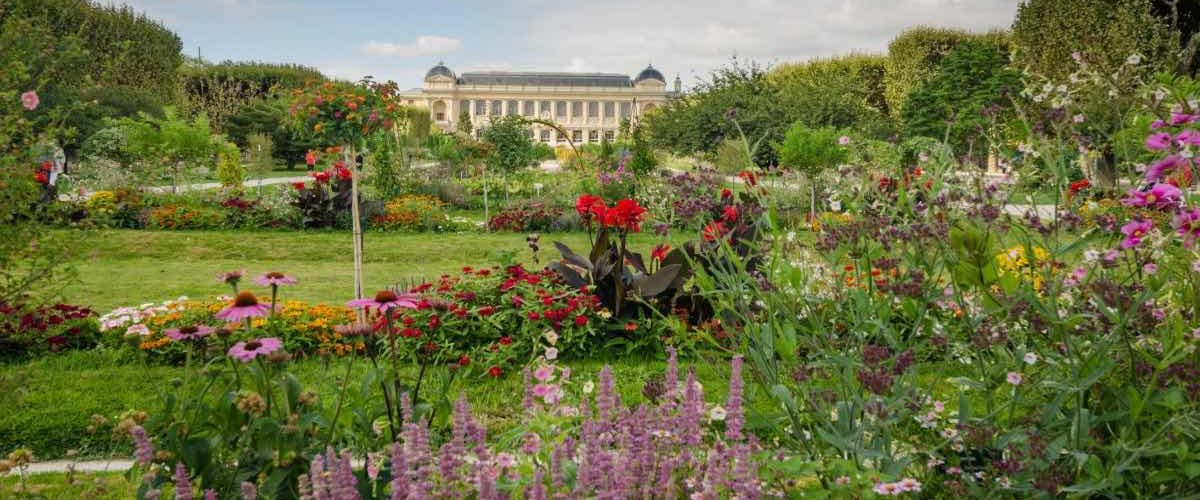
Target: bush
{"type": "Point", "coordinates": [840, 92]}
{"type": "Point", "coordinates": [230, 171]}
{"type": "Point", "coordinates": [812, 150]}
{"type": "Point", "coordinates": [526, 217]}
{"type": "Point", "coordinates": [1103, 32]}
{"type": "Point", "coordinates": [413, 213]}
{"type": "Point", "coordinates": [172, 216]}
{"type": "Point", "coordinates": [914, 56]}
{"type": "Point", "coordinates": [27, 331]}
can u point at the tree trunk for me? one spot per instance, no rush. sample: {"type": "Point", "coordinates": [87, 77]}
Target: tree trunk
{"type": "Point", "coordinates": [356, 224]}
{"type": "Point", "coordinates": [1105, 171]}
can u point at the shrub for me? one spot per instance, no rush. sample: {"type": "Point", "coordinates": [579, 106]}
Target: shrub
{"type": "Point", "coordinates": [812, 150]}
{"type": "Point", "coordinates": [526, 217]}
{"type": "Point", "coordinates": [173, 216]}
{"type": "Point", "coordinates": [413, 213]}
{"type": "Point", "coordinates": [230, 171]}
{"type": "Point", "coordinates": [36, 330]}
{"type": "Point", "coordinates": [1105, 33]}
{"type": "Point", "coordinates": [914, 56]}
{"type": "Point", "coordinates": [840, 92]}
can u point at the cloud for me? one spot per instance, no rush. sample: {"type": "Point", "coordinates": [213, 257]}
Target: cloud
{"type": "Point", "coordinates": [424, 45]}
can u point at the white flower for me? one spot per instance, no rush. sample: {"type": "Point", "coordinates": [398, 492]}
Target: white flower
{"type": "Point", "coordinates": [1030, 358]}
{"type": "Point", "coordinates": [835, 205]}
{"type": "Point", "coordinates": [1134, 59]}
{"type": "Point", "coordinates": [551, 337]}
{"type": "Point", "coordinates": [138, 329]}
{"type": "Point", "coordinates": [1079, 118]}
{"type": "Point", "coordinates": [551, 353]}
{"type": "Point", "coordinates": [716, 414]}
{"type": "Point", "coordinates": [588, 387]}
{"type": "Point", "coordinates": [1091, 255]}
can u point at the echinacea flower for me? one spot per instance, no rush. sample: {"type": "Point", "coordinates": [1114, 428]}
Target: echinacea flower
{"type": "Point", "coordinates": [386, 299]}
{"type": "Point", "coordinates": [30, 100]}
{"type": "Point", "coordinates": [1134, 231]}
{"type": "Point", "coordinates": [245, 305]}
{"type": "Point", "coordinates": [232, 278]}
{"type": "Point", "coordinates": [1162, 195]}
{"type": "Point", "coordinates": [189, 332]}
{"type": "Point", "coordinates": [844, 140]}
{"type": "Point", "coordinates": [247, 351]}
{"type": "Point", "coordinates": [275, 279]}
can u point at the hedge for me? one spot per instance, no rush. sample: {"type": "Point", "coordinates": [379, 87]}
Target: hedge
{"type": "Point", "coordinates": [914, 56]}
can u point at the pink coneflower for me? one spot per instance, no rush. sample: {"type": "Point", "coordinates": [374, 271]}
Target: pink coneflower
{"type": "Point", "coordinates": [275, 279]}
{"type": "Point", "coordinates": [30, 100]}
{"type": "Point", "coordinates": [1164, 166]}
{"type": "Point", "coordinates": [232, 278]}
{"type": "Point", "coordinates": [247, 351]}
{"type": "Point", "coordinates": [387, 299]}
{"type": "Point", "coordinates": [190, 332]}
{"type": "Point", "coordinates": [1158, 141]}
{"type": "Point", "coordinates": [244, 306]}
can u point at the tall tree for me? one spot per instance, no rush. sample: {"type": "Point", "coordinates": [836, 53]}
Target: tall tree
{"type": "Point", "coordinates": [1105, 33]}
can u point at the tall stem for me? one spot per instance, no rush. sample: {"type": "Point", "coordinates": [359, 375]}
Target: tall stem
{"type": "Point", "coordinates": [275, 294]}
{"type": "Point", "coordinates": [337, 412]}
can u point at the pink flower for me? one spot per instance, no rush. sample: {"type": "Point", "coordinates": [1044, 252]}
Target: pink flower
{"type": "Point", "coordinates": [1157, 124]}
{"type": "Point", "coordinates": [1181, 118]}
{"type": "Point", "coordinates": [387, 299]}
{"type": "Point", "coordinates": [544, 373]}
{"type": "Point", "coordinates": [231, 277]}
{"type": "Point", "coordinates": [190, 332]}
{"type": "Point", "coordinates": [30, 100]}
{"type": "Point", "coordinates": [844, 140]}
{"type": "Point", "coordinates": [247, 351]}
{"type": "Point", "coordinates": [909, 484]}
{"type": "Point", "coordinates": [1150, 268]}
{"type": "Point", "coordinates": [1188, 137]}
{"type": "Point", "coordinates": [887, 489]}
{"type": "Point", "coordinates": [842, 480]}
{"type": "Point", "coordinates": [1162, 195]}
{"type": "Point", "coordinates": [275, 279]}
{"type": "Point", "coordinates": [1164, 166]}
{"type": "Point", "coordinates": [1187, 223]}
{"type": "Point", "coordinates": [244, 306]}
{"type": "Point", "coordinates": [1134, 231]}
{"type": "Point", "coordinates": [1158, 141]}
{"type": "Point", "coordinates": [1013, 378]}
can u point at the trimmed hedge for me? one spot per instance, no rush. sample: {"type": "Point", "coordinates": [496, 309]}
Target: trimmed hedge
{"type": "Point", "coordinates": [914, 56]}
{"type": "Point", "coordinates": [845, 91]}
{"type": "Point", "coordinates": [1104, 32]}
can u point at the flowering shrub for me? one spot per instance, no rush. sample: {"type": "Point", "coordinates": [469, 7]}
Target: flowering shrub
{"type": "Point", "coordinates": [184, 217]}
{"type": "Point", "coordinates": [30, 331]}
{"type": "Point", "coordinates": [526, 217]}
{"type": "Point", "coordinates": [413, 213]}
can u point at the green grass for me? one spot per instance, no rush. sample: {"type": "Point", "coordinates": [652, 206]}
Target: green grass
{"type": "Point", "coordinates": [48, 402]}
{"type": "Point", "coordinates": [55, 486]}
{"type": "Point", "coordinates": [130, 267]}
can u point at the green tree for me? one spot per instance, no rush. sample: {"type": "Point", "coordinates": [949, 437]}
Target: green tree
{"type": "Point", "coordinates": [642, 161]}
{"type": "Point", "coordinates": [1105, 33]}
{"type": "Point", "coordinates": [464, 122]}
{"type": "Point", "coordinates": [811, 150]}
{"type": "Point", "coordinates": [966, 100]}
{"type": "Point", "coordinates": [843, 92]}
{"type": "Point", "coordinates": [172, 142]}
{"type": "Point", "coordinates": [230, 171]}
{"type": "Point", "coordinates": [915, 55]}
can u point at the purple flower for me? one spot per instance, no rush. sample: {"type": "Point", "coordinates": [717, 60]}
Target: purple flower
{"type": "Point", "coordinates": [247, 351]}
{"type": "Point", "coordinates": [1187, 224]}
{"type": "Point", "coordinates": [844, 140]}
{"type": "Point", "coordinates": [249, 491]}
{"type": "Point", "coordinates": [1150, 268]}
{"type": "Point", "coordinates": [244, 306]}
{"type": "Point", "coordinates": [1134, 231]}
{"type": "Point", "coordinates": [1188, 137]}
{"type": "Point", "coordinates": [1181, 118]}
{"type": "Point", "coordinates": [385, 300]}
{"type": "Point", "coordinates": [1158, 141]}
{"type": "Point", "coordinates": [183, 487]}
{"type": "Point", "coordinates": [143, 450]}
{"type": "Point", "coordinates": [275, 279]}
{"type": "Point", "coordinates": [1162, 195]}
{"type": "Point", "coordinates": [1013, 378]}
{"type": "Point", "coordinates": [1163, 166]}
{"type": "Point", "coordinates": [1157, 124]}
{"type": "Point", "coordinates": [190, 332]}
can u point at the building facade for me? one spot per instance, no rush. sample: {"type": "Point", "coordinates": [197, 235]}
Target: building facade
{"type": "Point", "coordinates": [588, 106]}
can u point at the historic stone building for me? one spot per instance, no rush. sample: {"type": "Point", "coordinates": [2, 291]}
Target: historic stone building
{"type": "Point", "coordinates": [588, 106]}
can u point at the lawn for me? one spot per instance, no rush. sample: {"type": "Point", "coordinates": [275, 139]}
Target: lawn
{"type": "Point", "coordinates": [130, 267]}
{"type": "Point", "coordinates": [56, 486]}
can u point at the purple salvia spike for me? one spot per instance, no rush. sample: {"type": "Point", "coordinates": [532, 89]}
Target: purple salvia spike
{"type": "Point", "coordinates": [666, 483]}
{"type": "Point", "coordinates": [556, 469]}
{"type": "Point", "coordinates": [183, 487]}
{"type": "Point", "coordinates": [527, 401]}
{"type": "Point", "coordinates": [143, 450]}
{"type": "Point", "coordinates": [154, 494]}
{"type": "Point", "coordinates": [536, 490]}
{"type": "Point", "coordinates": [316, 478]}
{"type": "Point", "coordinates": [345, 483]}
{"type": "Point", "coordinates": [406, 409]}
{"type": "Point", "coordinates": [210, 494]}
{"type": "Point", "coordinates": [672, 383]}
{"type": "Point", "coordinates": [745, 474]}
{"type": "Point", "coordinates": [734, 412]}
{"type": "Point", "coordinates": [606, 395]}
{"type": "Point", "coordinates": [399, 472]}
{"type": "Point", "coordinates": [304, 486]}
{"type": "Point", "coordinates": [693, 407]}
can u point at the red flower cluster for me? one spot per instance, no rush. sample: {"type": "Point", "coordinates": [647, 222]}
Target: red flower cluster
{"type": "Point", "coordinates": [42, 175]}
{"type": "Point", "coordinates": [660, 252]}
{"type": "Point", "coordinates": [714, 231]}
{"type": "Point", "coordinates": [1078, 186]}
{"type": "Point", "coordinates": [626, 214]}
{"type": "Point", "coordinates": [321, 177]}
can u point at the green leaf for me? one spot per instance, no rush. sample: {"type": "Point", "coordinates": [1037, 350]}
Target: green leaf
{"type": "Point", "coordinates": [197, 453]}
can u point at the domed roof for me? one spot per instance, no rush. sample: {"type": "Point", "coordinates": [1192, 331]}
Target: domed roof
{"type": "Point", "coordinates": [439, 70]}
{"type": "Point", "coordinates": [649, 73]}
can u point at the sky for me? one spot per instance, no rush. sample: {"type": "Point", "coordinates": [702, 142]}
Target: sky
{"type": "Point", "coordinates": [401, 39]}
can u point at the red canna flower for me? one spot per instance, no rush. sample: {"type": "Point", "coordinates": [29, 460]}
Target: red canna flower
{"type": "Point", "coordinates": [660, 252]}
{"type": "Point", "coordinates": [714, 231]}
{"type": "Point", "coordinates": [343, 173]}
{"type": "Point", "coordinates": [586, 204]}
{"type": "Point", "coordinates": [626, 215]}
{"type": "Point", "coordinates": [321, 177]}
{"type": "Point", "coordinates": [495, 371]}
{"type": "Point", "coordinates": [730, 215]}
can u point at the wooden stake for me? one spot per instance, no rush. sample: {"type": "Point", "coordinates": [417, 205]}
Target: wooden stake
{"type": "Point", "coordinates": [356, 224]}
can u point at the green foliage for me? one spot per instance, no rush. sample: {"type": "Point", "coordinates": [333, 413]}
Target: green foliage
{"type": "Point", "coordinates": [464, 122]}
{"type": "Point", "coordinates": [914, 56]}
{"type": "Point", "coordinates": [512, 151]}
{"type": "Point", "coordinates": [171, 142]}
{"type": "Point", "coordinates": [260, 158]}
{"type": "Point", "coordinates": [731, 157]}
{"type": "Point", "coordinates": [1104, 32]}
{"type": "Point", "coordinates": [968, 97]}
{"type": "Point", "coordinates": [230, 171]}
{"type": "Point", "coordinates": [642, 161]}
{"type": "Point", "coordinates": [841, 92]}
{"type": "Point", "coordinates": [220, 91]}
{"type": "Point", "coordinates": [811, 150]}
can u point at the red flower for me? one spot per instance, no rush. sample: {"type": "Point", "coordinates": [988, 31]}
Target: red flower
{"type": "Point", "coordinates": [342, 173]}
{"type": "Point", "coordinates": [47, 166]}
{"type": "Point", "coordinates": [517, 300]}
{"type": "Point", "coordinates": [321, 177]}
{"type": "Point", "coordinates": [298, 185]}
{"type": "Point", "coordinates": [585, 204]}
{"type": "Point", "coordinates": [748, 177]}
{"type": "Point", "coordinates": [626, 214]}
{"type": "Point", "coordinates": [731, 214]}
{"type": "Point", "coordinates": [726, 194]}
{"type": "Point", "coordinates": [885, 182]}
{"type": "Point", "coordinates": [505, 340]}
{"type": "Point", "coordinates": [581, 320]}
{"type": "Point", "coordinates": [495, 371]}
{"type": "Point", "coordinates": [486, 310]}
{"type": "Point", "coordinates": [631, 326]}
{"type": "Point", "coordinates": [410, 333]}
{"type": "Point", "coordinates": [534, 316]}
{"type": "Point", "coordinates": [41, 178]}
{"type": "Point", "coordinates": [434, 322]}
{"type": "Point", "coordinates": [464, 360]}
{"type": "Point", "coordinates": [714, 231]}
{"type": "Point", "coordinates": [660, 252]}
{"type": "Point", "coordinates": [1079, 185]}
{"type": "Point", "coordinates": [310, 158]}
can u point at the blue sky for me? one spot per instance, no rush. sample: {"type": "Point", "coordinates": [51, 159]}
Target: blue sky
{"type": "Point", "coordinates": [399, 40]}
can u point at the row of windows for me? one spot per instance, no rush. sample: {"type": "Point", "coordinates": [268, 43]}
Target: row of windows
{"type": "Point", "coordinates": [498, 107]}
{"type": "Point", "coordinates": [551, 136]}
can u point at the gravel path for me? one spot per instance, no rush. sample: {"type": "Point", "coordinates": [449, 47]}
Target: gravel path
{"type": "Point", "coordinates": [111, 465]}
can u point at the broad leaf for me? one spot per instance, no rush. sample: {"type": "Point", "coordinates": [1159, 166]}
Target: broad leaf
{"type": "Point", "coordinates": [658, 282]}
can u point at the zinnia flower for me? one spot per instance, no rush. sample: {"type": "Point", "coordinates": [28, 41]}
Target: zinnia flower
{"type": "Point", "coordinates": [1134, 231]}
{"type": "Point", "coordinates": [30, 100]}
{"type": "Point", "coordinates": [247, 351]}
{"type": "Point", "coordinates": [244, 306]}
{"type": "Point", "coordinates": [387, 299]}
{"type": "Point", "coordinates": [1162, 195]}
{"type": "Point", "coordinates": [190, 332]}
{"type": "Point", "coordinates": [275, 279]}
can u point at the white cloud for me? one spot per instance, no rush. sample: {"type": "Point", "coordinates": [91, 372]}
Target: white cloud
{"type": "Point", "coordinates": [424, 45]}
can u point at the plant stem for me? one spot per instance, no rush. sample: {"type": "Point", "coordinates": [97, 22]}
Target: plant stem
{"type": "Point", "coordinates": [337, 412]}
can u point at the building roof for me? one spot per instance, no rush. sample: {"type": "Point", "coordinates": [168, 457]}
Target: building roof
{"type": "Point", "coordinates": [545, 79]}
{"type": "Point", "coordinates": [439, 70]}
{"type": "Point", "coordinates": [649, 73]}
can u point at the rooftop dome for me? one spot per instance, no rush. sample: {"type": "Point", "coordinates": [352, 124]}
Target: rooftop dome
{"type": "Point", "coordinates": [650, 73]}
{"type": "Point", "coordinates": [439, 70]}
